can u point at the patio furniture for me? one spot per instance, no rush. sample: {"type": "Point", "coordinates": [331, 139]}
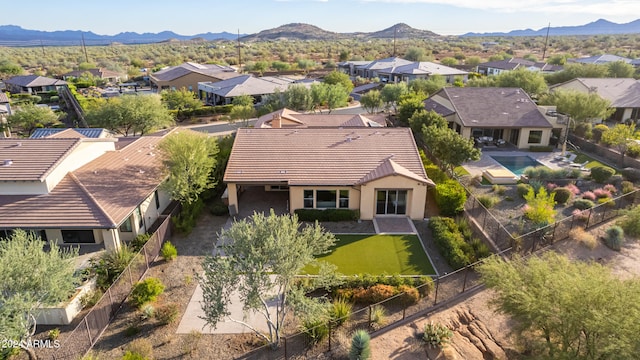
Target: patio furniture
{"type": "Point", "coordinates": [500, 142]}
{"type": "Point", "coordinates": [570, 159]}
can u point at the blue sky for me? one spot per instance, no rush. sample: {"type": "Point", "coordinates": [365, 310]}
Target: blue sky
{"type": "Point", "coordinates": [189, 17]}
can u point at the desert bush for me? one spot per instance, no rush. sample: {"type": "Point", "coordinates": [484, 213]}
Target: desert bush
{"type": "Point", "coordinates": [167, 314]}
{"type": "Point", "coordinates": [378, 316]}
{"type": "Point", "coordinates": [488, 201]}
{"type": "Point", "coordinates": [545, 173]}
{"type": "Point", "coordinates": [168, 251]}
{"type": "Point", "coordinates": [614, 237]}
{"type": "Point", "coordinates": [91, 298]}
{"type": "Point", "coordinates": [186, 219]}
{"type": "Point", "coordinates": [110, 265]}
{"type": "Point", "coordinates": [53, 334]}
{"type": "Point", "coordinates": [409, 295]}
{"type": "Point", "coordinates": [146, 290]}
{"type": "Point", "coordinates": [601, 193]}
{"type": "Point", "coordinates": [480, 249]}
{"type": "Point", "coordinates": [611, 189]}
{"type": "Point", "coordinates": [140, 347]}
{"type": "Point", "coordinates": [630, 222]}
{"type": "Point", "coordinates": [315, 329]}
{"type": "Point", "coordinates": [573, 188]}
{"type": "Point", "coordinates": [436, 335]}
{"type": "Point", "coordinates": [327, 214]}
{"type": "Point", "coordinates": [597, 132]}
{"type": "Point", "coordinates": [563, 195]}
{"type": "Point", "coordinates": [131, 330]}
{"type": "Point", "coordinates": [374, 294]}
{"type": "Point", "coordinates": [580, 215]}
{"type": "Point", "coordinates": [148, 311]}
{"type": "Point", "coordinates": [450, 241]}
{"type": "Point", "coordinates": [631, 174]}
{"type": "Point", "coordinates": [450, 197]}
{"type": "Point", "coordinates": [583, 204]}
{"type": "Point", "coordinates": [633, 151]}
{"type": "Point", "coordinates": [360, 348]}
{"type": "Point", "coordinates": [138, 242]}
{"type": "Point", "coordinates": [583, 237]}
{"type": "Point", "coordinates": [340, 311]}
{"type": "Point", "coordinates": [589, 195]}
{"type": "Point", "coordinates": [601, 174]}
{"type": "Point", "coordinates": [499, 189]}
{"type": "Point", "coordinates": [523, 189]}
{"type": "Point", "coordinates": [425, 285]}
{"type": "Point", "coordinates": [627, 187]}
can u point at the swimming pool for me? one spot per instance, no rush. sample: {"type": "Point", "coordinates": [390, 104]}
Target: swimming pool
{"type": "Point", "coordinates": [516, 164]}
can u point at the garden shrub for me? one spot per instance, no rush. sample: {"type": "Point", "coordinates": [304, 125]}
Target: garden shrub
{"type": "Point", "coordinates": [464, 228]}
{"type": "Point", "coordinates": [436, 335]}
{"type": "Point", "coordinates": [589, 195]}
{"type": "Point", "coordinates": [378, 316]}
{"type": "Point", "coordinates": [523, 189]}
{"type": "Point", "coordinates": [90, 298]}
{"type": "Point", "coordinates": [146, 290]}
{"type": "Point", "coordinates": [140, 347]}
{"type": "Point", "coordinates": [410, 295]}
{"type": "Point", "coordinates": [340, 311]}
{"type": "Point", "coordinates": [600, 174]}
{"type": "Point", "coordinates": [360, 348]}
{"type": "Point", "coordinates": [584, 130]}
{"type": "Point", "coordinates": [488, 201]}
{"type": "Point", "coordinates": [631, 174]}
{"type": "Point", "coordinates": [606, 201]}
{"type": "Point", "coordinates": [110, 265]}
{"type": "Point", "coordinates": [435, 173]}
{"type": "Point", "coordinates": [633, 151]}
{"type": "Point", "coordinates": [614, 237]}
{"type": "Point", "coordinates": [562, 195]}
{"type": "Point", "coordinates": [450, 197]}
{"type": "Point", "coordinates": [597, 132]}
{"type": "Point", "coordinates": [450, 241]}
{"type": "Point", "coordinates": [167, 314]}
{"type": "Point", "coordinates": [611, 189]}
{"type": "Point", "coordinates": [601, 193]}
{"type": "Point", "coordinates": [327, 214]}
{"type": "Point", "coordinates": [315, 329]}
{"type": "Point", "coordinates": [186, 219]}
{"type": "Point", "coordinates": [53, 334]}
{"type": "Point", "coordinates": [630, 222]}
{"type": "Point", "coordinates": [545, 173]}
{"type": "Point", "coordinates": [168, 251]}
{"type": "Point", "coordinates": [583, 204]}
{"type": "Point", "coordinates": [480, 249]}
{"type": "Point", "coordinates": [138, 242]}
{"type": "Point", "coordinates": [627, 187]}
{"type": "Point", "coordinates": [499, 189]}
{"type": "Point", "coordinates": [218, 208]}
{"type": "Point", "coordinates": [583, 237]}
{"type": "Point", "coordinates": [573, 188]}
{"type": "Point", "coordinates": [374, 294]}
{"type": "Point", "coordinates": [424, 285]}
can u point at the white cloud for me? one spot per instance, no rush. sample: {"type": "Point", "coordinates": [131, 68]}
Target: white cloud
{"type": "Point", "coordinates": [600, 8]}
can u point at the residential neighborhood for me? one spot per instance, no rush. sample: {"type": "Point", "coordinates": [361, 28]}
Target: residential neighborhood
{"type": "Point", "coordinates": [246, 199]}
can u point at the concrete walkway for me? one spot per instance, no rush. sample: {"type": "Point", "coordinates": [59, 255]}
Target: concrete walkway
{"type": "Point", "coordinates": [394, 225]}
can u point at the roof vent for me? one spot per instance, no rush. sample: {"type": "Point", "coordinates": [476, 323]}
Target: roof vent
{"type": "Point", "coordinates": [151, 153]}
{"type": "Point", "coordinates": [18, 144]}
{"type": "Point", "coordinates": [7, 162]}
{"type": "Point", "coordinates": [283, 171]}
{"type": "Point", "coordinates": [141, 171]}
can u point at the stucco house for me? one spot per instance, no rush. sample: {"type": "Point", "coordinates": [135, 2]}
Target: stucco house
{"type": "Point", "coordinates": [395, 69]}
{"type": "Point", "coordinates": [503, 115]}
{"type": "Point", "coordinates": [623, 93]}
{"type": "Point", "coordinates": [376, 171]}
{"type": "Point", "coordinates": [286, 118]}
{"type": "Point", "coordinates": [223, 92]}
{"type": "Point", "coordinates": [501, 66]}
{"type": "Point", "coordinates": [80, 190]}
{"type": "Point", "coordinates": [188, 75]}
{"type": "Point", "coordinates": [601, 59]}
{"type": "Point", "coordinates": [33, 84]}
{"type": "Point", "coordinates": [100, 73]}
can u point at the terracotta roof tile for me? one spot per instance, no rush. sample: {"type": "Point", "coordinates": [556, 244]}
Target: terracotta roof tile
{"type": "Point", "coordinates": [320, 156]}
{"type": "Point", "coordinates": [389, 168]}
{"type": "Point", "coordinates": [32, 159]}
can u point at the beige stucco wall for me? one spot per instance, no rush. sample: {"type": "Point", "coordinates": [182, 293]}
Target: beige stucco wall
{"type": "Point", "coordinates": [524, 137]}
{"type": "Point", "coordinates": [296, 195]}
{"type": "Point", "coordinates": [416, 196]}
{"type": "Point", "coordinates": [190, 79]}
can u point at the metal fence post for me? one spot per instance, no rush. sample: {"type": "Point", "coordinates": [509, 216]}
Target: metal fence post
{"type": "Point", "coordinates": [464, 283]}
{"type": "Point", "coordinates": [435, 297]}
{"type": "Point", "coordinates": [86, 323]}
{"type": "Point", "coordinates": [369, 324]}
{"type": "Point", "coordinates": [130, 276]}
{"type": "Point", "coordinates": [588, 218]}
{"type": "Point", "coordinates": [146, 257]}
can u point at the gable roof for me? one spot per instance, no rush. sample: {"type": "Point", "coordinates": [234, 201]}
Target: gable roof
{"type": "Point", "coordinates": [321, 120]}
{"type": "Point", "coordinates": [32, 159]}
{"type": "Point", "coordinates": [69, 133]}
{"type": "Point", "coordinates": [322, 156]}
{"type": "Point", "coordinates": [34, 81]}
{"type": "Point", "coordinates": [427, 68]}
{"type": "Point", "coordinates": [621, 92]}
{"type": "Point", "coordinates": [247, 85]}
{"type": "Point", "coordinates": [601, 59]}
{"type": "Point", "coordinates": [516, 63]}
{"type": "Point", "coordinates": [97, 72]}
{"type": "Point", "coordinates": [212, 70]}
{"type": "Point", "coordinates": [388, 167]}
{"type": "Point", "coordinates": [489, 107]}
{"type": "Point", "coordinates": [3, 97]}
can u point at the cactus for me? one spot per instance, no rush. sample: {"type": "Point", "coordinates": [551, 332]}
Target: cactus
{"type": "Point", "coordinates": [360, 349]}
{"type": "Point", "coordinates": [614, 237]}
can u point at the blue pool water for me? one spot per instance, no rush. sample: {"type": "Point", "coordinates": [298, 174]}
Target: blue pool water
{"type": "Point", "coordinates": [516, 164]}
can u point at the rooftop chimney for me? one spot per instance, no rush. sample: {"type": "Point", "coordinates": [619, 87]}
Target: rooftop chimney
{"type": "Point", "coordinates": [276, 121]}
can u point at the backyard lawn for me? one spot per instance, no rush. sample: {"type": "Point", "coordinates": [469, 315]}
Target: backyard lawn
{"type": "Point", "coordinates": [378, 254]}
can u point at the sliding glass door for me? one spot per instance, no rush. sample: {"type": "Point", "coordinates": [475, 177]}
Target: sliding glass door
{"type": "Point", "coordinates": [391, 202]}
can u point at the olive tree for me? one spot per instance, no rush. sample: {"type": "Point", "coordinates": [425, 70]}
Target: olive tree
{"type": "Point", "coordinates": [30, 117]}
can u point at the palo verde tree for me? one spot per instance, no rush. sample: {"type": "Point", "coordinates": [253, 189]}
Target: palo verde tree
{"type": "Point", "coordinates": [372, 101]}
{"type": "Point", "coordinates": [31, 277]}
{"type": "Point", "coordinates": [566, 309]}
{"type": "Point", "coordinates": [619, 137]}
{"type": "Point", "coordinates": [130, 115]}
{"type": "Point", "coordinates": [581, 107]}
{"type": "Point", "coordinates": [31, 117]}
{"type": "Point", "coordinates": [261, 258]}
{"type": "Point", "coordinates": [189, 158]}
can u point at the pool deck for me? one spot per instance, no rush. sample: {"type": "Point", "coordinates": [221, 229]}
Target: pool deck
{"type": "Point", "coordinates": [486, 162]}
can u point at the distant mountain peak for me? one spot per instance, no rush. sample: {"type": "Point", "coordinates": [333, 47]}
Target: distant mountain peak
{"type": "Point", "coordinates": [598, 27]}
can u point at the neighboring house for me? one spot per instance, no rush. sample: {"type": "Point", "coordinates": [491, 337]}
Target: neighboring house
{"type": "Point", "coordinates": [100, 73]}
{"type": "Point", "coordinates": [375, 171]}
{"type": "Point", "coordinates": [600, 59]}
{"type": "Point", "coordinates": [223, 92]}
{"type": "Point", "coordinates": [623, 93]}
{"type": "Point", "coordinates": [5, 111]}
{"type": "Point", "coordinates": [81, 190]}
{"type": "Point", "coordinates": [506, 114]}
{"type": "Point", "coordinates": [188, 75]}
{"type": "Point", "coordinates": [67, 133]}
{"type": "Point", "coordinates": [395, 69]}
{"type": "Point", "coordinates": [501, 66]}
{"type": "Point", "coordinates": [33, 84]}
{"type": "Point", "coordinates": [285, 118]}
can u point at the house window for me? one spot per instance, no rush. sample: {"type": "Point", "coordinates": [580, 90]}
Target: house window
{"type": "Point", "coordinates": [308, 199]}
{"type": "Point", "coordinates": [535, 136]}
{"type": "Point", "coordinates": [140, 218]}
{"type": "Point", "coordinates": [155, 194]}
{"type": "Point", "coordinates": [326, 199]}
{"type": "Point", "coordinates": [344, 199]}
{"type": "Point", "coordinates": [78, 236]}
{"type": "Point", "coordinates": [126, 225]}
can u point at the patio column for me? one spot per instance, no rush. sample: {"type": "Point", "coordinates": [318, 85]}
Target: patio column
{"type": "Point", "coordinates": [111, 239]}
{"type": "Point", "coordinates": [232, 191]}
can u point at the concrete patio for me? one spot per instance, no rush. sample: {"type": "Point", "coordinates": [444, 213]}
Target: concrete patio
{"type": "Point", "coordinates": [486, 162]}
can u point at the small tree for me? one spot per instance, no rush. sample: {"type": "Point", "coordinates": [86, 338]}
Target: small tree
{"type": "Point", "coordinates": [425, 118]}
{"type": "Point", "coordinates": [259, 260]}
{"type": "Point", "coordinates": [31, 117]}
{"type": "Point", "coordinates": [372, 101]}
{"type": "Point", "coordinates": [449, 147]}
{"type": "Point", "coordinates": [620, 137]}
{"type": "Point", "coordinates": [581, 107]}
{"type": "Point", "coordinates": [242, 109]}
{"type": "Point", "coordinates": [130, 115]}
{"type": "Point", "coordinates": [409, 105]}
{"type": "Point", "coordinates": [298, 97]}
{"type": "Point", "coordinates": [336, 77]}
{"type": "Point", "coordinates": [392, 94]}
{"type": "Point", "coordinates": [189, 158]}
{"type": "Point", "coordinates": [539, 208]}
{"type": "Point", "coordinates": [180, 100]}
{"type": "Point", "coordinates": [428, 86]}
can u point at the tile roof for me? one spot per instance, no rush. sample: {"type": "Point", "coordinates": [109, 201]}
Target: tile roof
{"type": "Point", "coordinates": [181, 70]}
{"type": "Point", "coordinates": [32, 159]}
{"type": "Point", "coordinates": [3, 97]}
{"type": "Point", "coordinates": [388, 167]}
{"type": "Point", "coordinates": [34, 81]}
{"type": "Point", "coordinates": [491, 107]}
{"type": "Point", "coordinates": [622, 92]}
{"type": "Point", "coordinates": [321, 156]}
{"type": "Point", "coordinates": [515, 63]}
{"type": "Point", "coordinates": [97, 72]}
{"type": "Point", "coordinates": [248, 85]}
{"type": "Point", "coordinates": [62, 133]}
{"type": "Point", "coordinates": [322, 120]}
{"type": "Point", "coordinates": [600, 59]}
{"type": "Point", "coordinates": [427, 68]}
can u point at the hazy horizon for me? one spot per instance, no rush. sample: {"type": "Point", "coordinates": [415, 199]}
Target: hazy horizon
{"type": "Point", "coordinates": [191, 17]}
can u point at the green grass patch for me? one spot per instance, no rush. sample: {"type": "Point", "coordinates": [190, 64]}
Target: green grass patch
{"type": "Point", "coordinates": [378, 254]}
{"type": "Point", "coordinates": [582, 157]}
{"type": "Point", "coordinates": [461, 171]}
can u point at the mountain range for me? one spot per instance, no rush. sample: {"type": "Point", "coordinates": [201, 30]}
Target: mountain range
{"type": "Point", "coordinates": [12, 35]}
